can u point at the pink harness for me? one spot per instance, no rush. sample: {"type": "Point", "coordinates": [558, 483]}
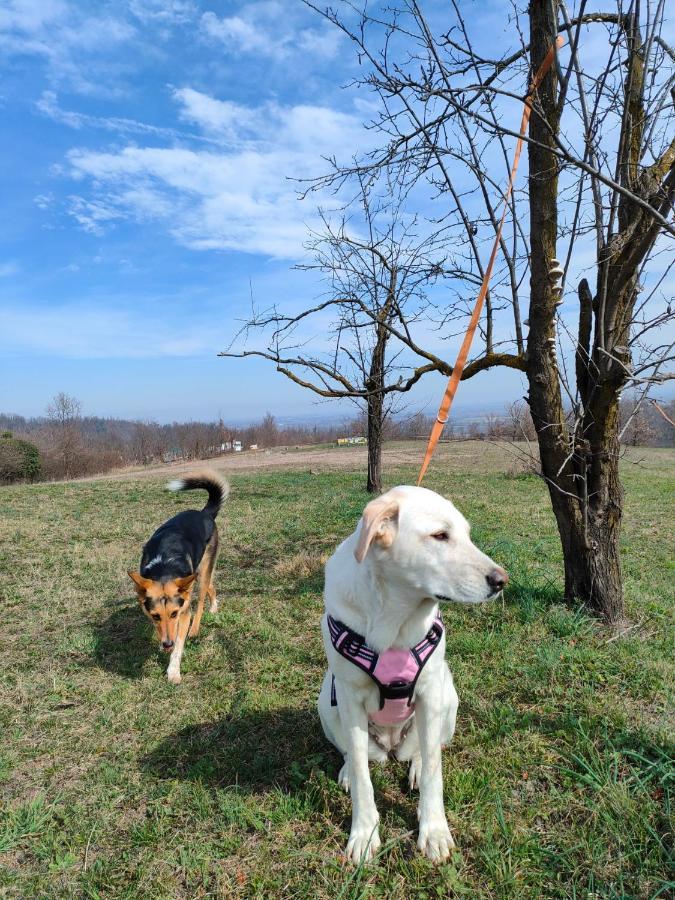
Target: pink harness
{"type": "Point", "coordinates": [395, 672]}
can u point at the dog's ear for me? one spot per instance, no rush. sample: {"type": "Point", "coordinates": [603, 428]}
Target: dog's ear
{"type": "Point", "coordinates": [378, 523]}
{"type": "Point", "coordinates": [142, 584]}
{"type": "Point", "coordinates": [184, 584]}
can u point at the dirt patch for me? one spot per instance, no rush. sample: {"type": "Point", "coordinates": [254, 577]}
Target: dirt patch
{"type": "Point", "coordinates": [301, 565]}
{"type": "Point", "coordinates": [459, 456]}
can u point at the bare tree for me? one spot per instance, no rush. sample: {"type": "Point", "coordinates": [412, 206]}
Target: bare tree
{"type": "Point", "coordinates": [376, 267]}
{"type": "Point", "coordinates": [269, 431]}
{"type": "Point", "coordinates": [519, 422]}
{"type": "Point", "coordinates": [636, 421]}
{"type": "Point", "coordinates": [64, 417]}
{"type": "Point", "coordinates": [601, 184]}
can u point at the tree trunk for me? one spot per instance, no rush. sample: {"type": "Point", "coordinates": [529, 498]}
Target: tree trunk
{"type": "Point", "coordinates": [375, 386]}
{"type": "Point", "coordinates": [375, 416]}
{"type": "Point", "coordinates": [581, 469]}
{"type": "Point", "coordinates": [590, 527]}
{"type": "Point", "coordinates": [375, 402]}
{"type": "Point", "coordinates": [593, 569]}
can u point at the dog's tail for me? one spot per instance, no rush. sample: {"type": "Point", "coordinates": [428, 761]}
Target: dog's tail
{"type": "Point", "coordinates": [217, 487]}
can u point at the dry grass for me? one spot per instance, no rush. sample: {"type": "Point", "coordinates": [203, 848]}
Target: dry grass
{"type": "Point", "coordinates": [301, 565]}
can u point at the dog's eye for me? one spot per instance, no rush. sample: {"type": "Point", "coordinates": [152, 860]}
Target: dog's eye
{"type": "Point", "coordinates": [156, 617]}
{"type": "Point", "coordinates": [441, 536]}
{"type": "Point", "coordinates": [174, 614]}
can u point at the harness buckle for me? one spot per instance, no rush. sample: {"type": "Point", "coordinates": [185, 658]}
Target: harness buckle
{"type": "Point", "coordinates": [396, 690]}
{"type": "Point", "coordinates": [353, 644]}
{"type": "Point", "coordinates": [434, 635]}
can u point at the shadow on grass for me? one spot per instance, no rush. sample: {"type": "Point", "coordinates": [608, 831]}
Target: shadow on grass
{"type": "Point", "coordinates": [532, 597]}
{"type": "Point", "coordinates": [274, 748]}
{"type": "Point", "coordinates": [283, 749]}
{"type": "Point", "coordinates": [123, 642]}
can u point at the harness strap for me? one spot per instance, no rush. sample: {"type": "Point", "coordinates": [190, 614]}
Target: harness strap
{"type": "Point", "coordinates": [352, 646]}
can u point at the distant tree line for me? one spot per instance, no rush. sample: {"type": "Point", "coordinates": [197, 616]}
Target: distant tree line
{"type": "Point", "coordinates": [65, 444]}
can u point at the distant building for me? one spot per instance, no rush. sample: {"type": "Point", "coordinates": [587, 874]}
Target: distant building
{"type": "Point", "coordinates": [236, 446]}
{"type": "Point", "coordinates": [351, 440]}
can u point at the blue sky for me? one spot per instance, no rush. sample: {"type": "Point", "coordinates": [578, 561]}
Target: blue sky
{"type": "Point", "coordinates": [146, 148]}
{"type": "Point", "coordinates": [146, 153]}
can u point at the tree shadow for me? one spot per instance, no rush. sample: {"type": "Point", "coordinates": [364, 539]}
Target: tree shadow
{"type": "Point", "coordinates": [532, 597]}
{"type": "Point", "coordinates": [124, 642]}
{"type": "Point", "coordinates": [256, 750]}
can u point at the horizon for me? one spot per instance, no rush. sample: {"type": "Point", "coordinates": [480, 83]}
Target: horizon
{"type": "Point", "coordinates": [468, 415]}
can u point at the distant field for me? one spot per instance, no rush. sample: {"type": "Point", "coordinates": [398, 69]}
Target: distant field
{"type": "Point", "coordinates": [455, 456]}
{"type": "Point", "coordinates": [115, 784]}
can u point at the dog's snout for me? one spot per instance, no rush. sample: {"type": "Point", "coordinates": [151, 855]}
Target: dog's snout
{"type": "Point", "coordinates": [167, 645]}
{"type": "Point", "coordinates": [497, 579]}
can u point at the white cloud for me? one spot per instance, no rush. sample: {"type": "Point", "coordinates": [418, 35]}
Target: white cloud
{"type": "Point", "coordinates": [31, 16]}
{"type": "Point", "coordinates": [49, 106]}
{"type": "Point", "coordinates": [43, 201]}
{"type": "Point", "coordinates": [92, 215]}
{"type": "Point", "coordinates": [77, 47]}
{"type": "Point", "coordinates": [236, 30]}
{"type": "Point", "coordinates": [238, 197]}
{"type": "Point", "coordinates": [174, 12]}
{"type": "Point", "coordinates": [221, 118]}
{"type": "Point", "coordinates": [269, 29]}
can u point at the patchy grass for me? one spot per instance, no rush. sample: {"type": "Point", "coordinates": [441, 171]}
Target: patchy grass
{"type": "Point", "coordinates": [116, 784]}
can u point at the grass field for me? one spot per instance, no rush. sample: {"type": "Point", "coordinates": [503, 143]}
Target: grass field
{"type": "Point", "coordinates": [115, 783]}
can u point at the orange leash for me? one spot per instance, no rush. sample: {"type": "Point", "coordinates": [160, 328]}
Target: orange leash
{"type": "Point", "coordinates": [458, 368]}
{"type": "Point", "coordinates": [663, 413]}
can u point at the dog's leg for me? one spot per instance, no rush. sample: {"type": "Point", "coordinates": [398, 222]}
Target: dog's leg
{"type": "Point", "coordinates": [211, 594]}
{"type": "Point", "coordinates": [435, 840]}
{"type": "Point", "coordinates": [415, 772]}
{"type": "Point", "coordinates": [409, 751]}
{"type": "Point", "coordinates": [451, 702]}
{"type": "Point", "coordinates": [206, 587]}
{"type": "Point", "coordinates": [364, 838]}
{"type": "Point", "coordinates": [173, 672]}
{"type": "Point", "coordinates": [196, 622]}
{"type": "Point", "coordinates": [343, 775]}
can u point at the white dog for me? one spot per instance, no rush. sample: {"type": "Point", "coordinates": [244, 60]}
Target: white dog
{"type": "Point", "coordinates": [388, 690]}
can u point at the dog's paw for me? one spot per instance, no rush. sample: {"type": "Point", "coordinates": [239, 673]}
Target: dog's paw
{"type": "Point", "coordinates": [435, 840]}
{"type": "Point", "coordinates": [213, 608]}
{"type": "Point", "coordinates": [193, 632]}
{"type": "Point", "coordinates": [343, 777]}
{"type": "Point", "coordinates": [363, 844]}
{"type": "Point", "coordinates": [173, 676]}
{"type": "Point", "coordinates": [415, 772]}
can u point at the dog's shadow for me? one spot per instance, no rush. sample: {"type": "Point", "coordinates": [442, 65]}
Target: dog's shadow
{"type": "Point", "coordinates": [255, 750]}
{"type": "Point", "coordinates": [123, 642]}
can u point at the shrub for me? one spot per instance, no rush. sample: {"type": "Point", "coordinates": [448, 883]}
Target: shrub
{"type": "Point", "coordinates": [19, 459]}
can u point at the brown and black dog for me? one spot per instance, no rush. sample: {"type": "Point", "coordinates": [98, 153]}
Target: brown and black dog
{"type": "Point", "coordinates": [181, 549]}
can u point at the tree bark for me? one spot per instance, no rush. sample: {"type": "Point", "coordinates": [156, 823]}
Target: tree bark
{"type": "Point", "coordinates": [374, 385]}
{"type": "Point", "coordinates": [581, 468]}
{"type": "Point", "coordinates": [591, 548]}
{"type": "Point", "coordinates": [590, 527]}
{"type": "Point", "coordinates": [375, 409]}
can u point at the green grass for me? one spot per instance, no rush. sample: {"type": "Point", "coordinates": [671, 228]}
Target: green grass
{"type": "Point", "coordinates": [114, 783]}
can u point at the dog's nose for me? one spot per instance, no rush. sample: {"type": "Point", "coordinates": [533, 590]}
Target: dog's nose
{"type": "Point", "coordinates": [497, 579]}
{"type": "Point", "coordinates": [167, 645]}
